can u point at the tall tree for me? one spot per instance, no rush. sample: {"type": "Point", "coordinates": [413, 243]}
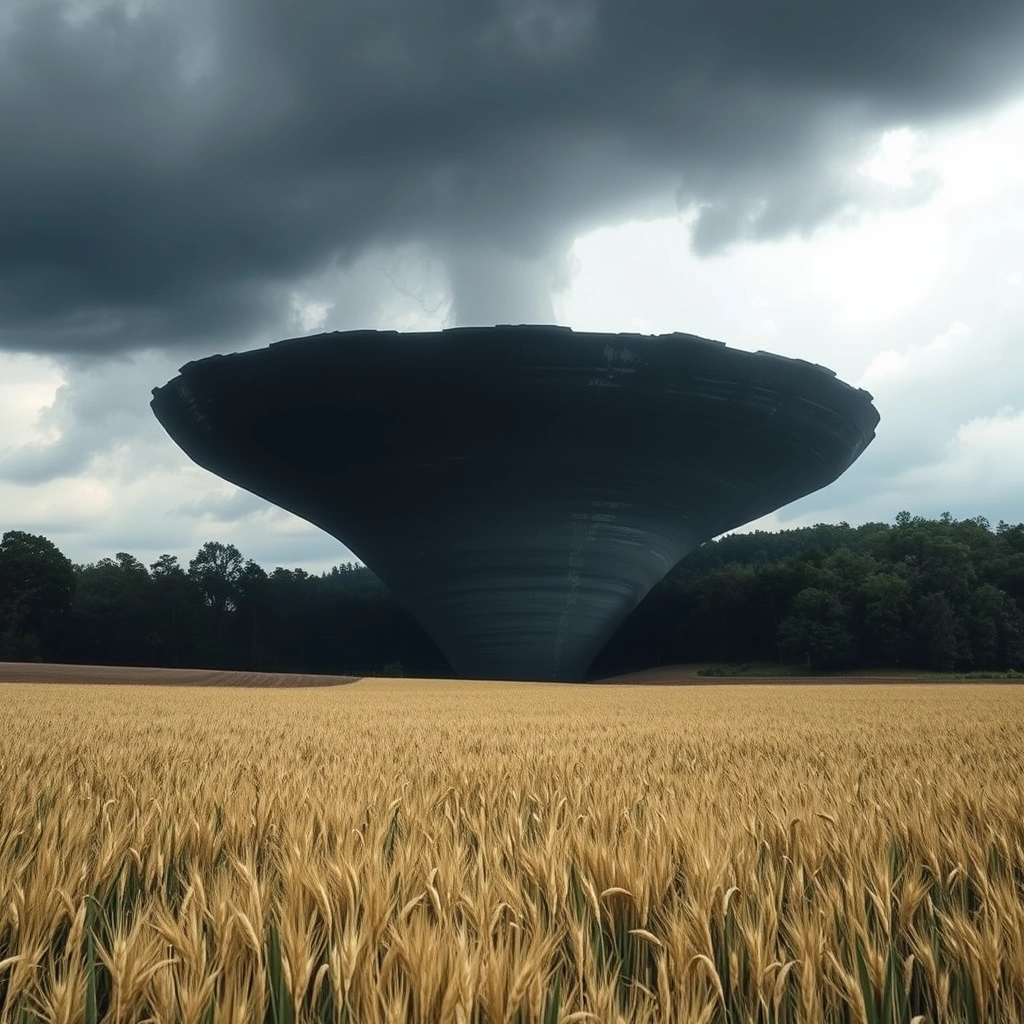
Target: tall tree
{"type": "Point", "coordinates": [216, 570]}
{"type": "Point", "coordinates": [886, 614]}
{"type": "Point", "coordinates": [112, 612]}
{"type": "Point", "coordinates": [176, 603]}
{"type": "Point", "coordinates": [36, 585]}
{"type": "Point", "coordinates": [254, 613]}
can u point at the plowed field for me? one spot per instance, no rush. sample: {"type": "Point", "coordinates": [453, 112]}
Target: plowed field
{"type": "Point", "coordinates": [31, 672]}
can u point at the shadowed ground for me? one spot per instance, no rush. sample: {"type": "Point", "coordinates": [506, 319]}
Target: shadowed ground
{"type": "Point", "coordinates": [669, 675]}
{"type": "Point", "coordinates": [31, 672]}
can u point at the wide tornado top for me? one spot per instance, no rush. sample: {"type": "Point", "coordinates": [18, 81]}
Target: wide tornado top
{"type": "Point", "coordinates": [521, 489]}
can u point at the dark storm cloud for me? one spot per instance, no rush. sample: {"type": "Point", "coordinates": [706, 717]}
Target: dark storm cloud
{"type": "Point", "coordinates": [169, 171]}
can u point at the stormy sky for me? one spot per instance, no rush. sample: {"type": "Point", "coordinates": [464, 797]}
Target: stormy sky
{"type": "Point", "coordinates": [836, 181]}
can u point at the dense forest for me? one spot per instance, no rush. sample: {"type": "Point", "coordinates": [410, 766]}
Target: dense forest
{"type": "Point", "coordinates": [943, 595]}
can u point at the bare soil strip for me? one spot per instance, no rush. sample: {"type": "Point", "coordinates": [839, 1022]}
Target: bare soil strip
{"type": "Point", "coordinates": [31, 672]}
{"type": "Point", "coordinates": [669, 675]}
{"type": "Point", "coordinates": [686, 675]}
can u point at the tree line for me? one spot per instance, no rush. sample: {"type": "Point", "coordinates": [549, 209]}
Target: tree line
{"type": "Point", "coordinates": [938, 594]}
{"type": "Point", "coordinates": [222, 611]}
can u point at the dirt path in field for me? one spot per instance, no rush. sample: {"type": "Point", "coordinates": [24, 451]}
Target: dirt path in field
{"type": "Point", "coordinates": [669, 675]}
{"type": "Point", "coordinates": [28, 672]}
{"type": "Point", "coordinates": [686, 675]}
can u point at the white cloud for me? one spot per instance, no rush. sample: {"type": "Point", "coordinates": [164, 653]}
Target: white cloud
{"type": "Point", "coordinates": [940, 358]}
{"type": "Point", "coordinates": [57, 506]}
{"type": "Point", "coordinates": [895, 159]}
{"type": "Point", "coordinates": [28, 385]}
{"type": "Point", "coordinates": [985, 452]}
{"type": "Point", "coordinates": [980, 162]}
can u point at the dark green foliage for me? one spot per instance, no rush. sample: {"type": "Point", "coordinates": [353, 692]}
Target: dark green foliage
{"type": "Point", "coordinates": [224, 612]}
{"type": "Point", "coordinates": [553, 1002]}
{"type": "Point", "coordinates": [91, 965]}
{"type": "Point", "coordinates": [940, 595]}
{"type": "Point", "coordinates": [36, 585]}
{"type": "Point", "coordinates": [176, 615]}
{"type": "Point", "coordinates": [112, 612]}
{"type": "Point", "coordinates": [816, 631]}
{"type": "Point", "coordinates": [281, 1007]}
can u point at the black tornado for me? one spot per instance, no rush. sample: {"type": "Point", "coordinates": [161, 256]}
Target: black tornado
{"type": "Point", "coordinates": [520, 489]}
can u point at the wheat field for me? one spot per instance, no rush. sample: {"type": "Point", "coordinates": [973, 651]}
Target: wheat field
{"type": "Point", "coordinates": [397, 850]}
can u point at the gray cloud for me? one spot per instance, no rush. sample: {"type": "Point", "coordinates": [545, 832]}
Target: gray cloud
{"type": "Point", "coordinates": [97, 409]}
{"type": "Point", "coordinates": [232, 507]}
{"type": "Point", "coordinates": [180, 167]}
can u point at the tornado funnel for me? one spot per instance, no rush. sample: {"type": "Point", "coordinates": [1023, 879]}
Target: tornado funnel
{"type": "Point", "coordinates": [519, 489]}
